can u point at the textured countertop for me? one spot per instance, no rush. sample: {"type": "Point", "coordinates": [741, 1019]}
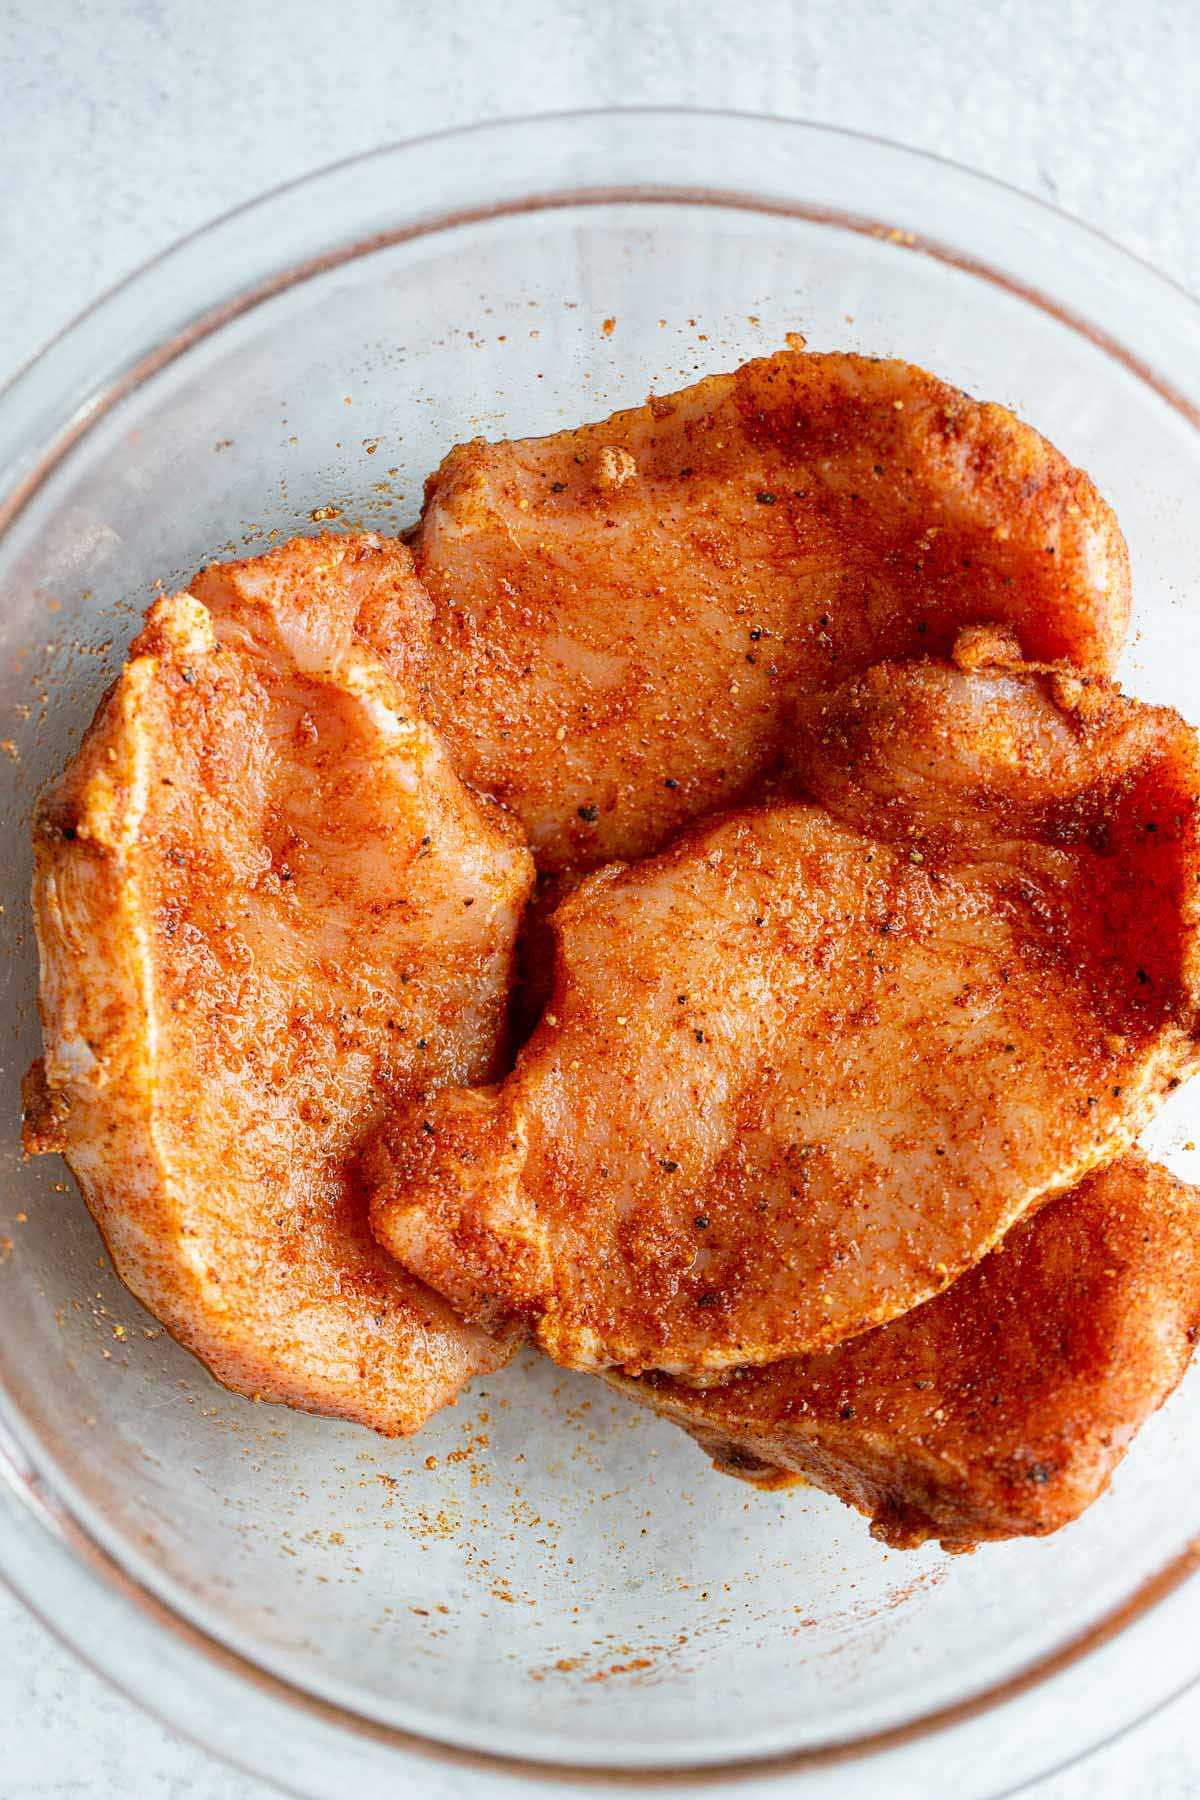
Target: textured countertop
{"type": "Point", "coordinates": [124, 123]}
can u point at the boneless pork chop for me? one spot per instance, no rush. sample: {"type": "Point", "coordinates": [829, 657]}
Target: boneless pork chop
{"type": "Point", "coordinates": [625, 614]}
{"type": "Point", "coordinates": [267, 911]}
{"type": "Point", "coordinates": [804, 1067]}
{"type": "Point", "coordinates": [1002, 1406]}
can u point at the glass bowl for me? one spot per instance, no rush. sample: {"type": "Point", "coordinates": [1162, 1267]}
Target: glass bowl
{"type": "Point", "coordinates": [547, 1582]}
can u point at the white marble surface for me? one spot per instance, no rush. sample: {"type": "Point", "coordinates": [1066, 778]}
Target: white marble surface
{"type": "Point", "coordinates": [125, 122]}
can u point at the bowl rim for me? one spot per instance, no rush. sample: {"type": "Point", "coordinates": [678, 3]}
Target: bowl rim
{"type": "Point", "coordinates": [22, 1482]}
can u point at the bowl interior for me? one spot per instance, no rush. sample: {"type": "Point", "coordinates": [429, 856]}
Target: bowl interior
{"type": "Point", "coordinates": [545, 1570]}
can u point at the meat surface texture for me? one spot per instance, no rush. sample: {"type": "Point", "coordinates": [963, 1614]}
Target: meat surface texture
{"type": "Point", "coordinates": [1001, 1407]}
{"type": "Point", "coordinates": [268, 910]}
{"type": "Point", "coordinates": [805, 1067]}
{"type": "Point", "coordinates": [625, 614]}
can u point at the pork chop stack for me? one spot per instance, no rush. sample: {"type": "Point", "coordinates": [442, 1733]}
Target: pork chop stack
{"type": "Point", "coordinates": [864, 944]}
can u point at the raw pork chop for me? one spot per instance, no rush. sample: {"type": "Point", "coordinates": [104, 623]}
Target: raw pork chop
{"type": "Point", "coordinates": [803, 1068]}
{"type": "Point", "coordinates": [268, 911]}
{"type": "Point", "coordinates": [625, 614]}
{"type": "Point", "coordinates": [1001, 1407]}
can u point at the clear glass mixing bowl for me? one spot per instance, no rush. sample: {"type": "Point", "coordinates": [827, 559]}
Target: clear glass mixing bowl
{"type": "Point", "coordinates": [546, 1582]}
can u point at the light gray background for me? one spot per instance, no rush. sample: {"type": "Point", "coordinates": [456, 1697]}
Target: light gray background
{"type": "Point", "coordinates": [122, 126]}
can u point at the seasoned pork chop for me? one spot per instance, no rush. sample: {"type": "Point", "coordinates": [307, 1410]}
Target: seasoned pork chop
{"type": "Point", "coordinates": [803, 1068]}
{"type": "Point", "coordinates": [1001, 1407]}
{"type": "Point", "coordinates": [625, 614]}
{"type": "Point", "coordinates": [267, 911]}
